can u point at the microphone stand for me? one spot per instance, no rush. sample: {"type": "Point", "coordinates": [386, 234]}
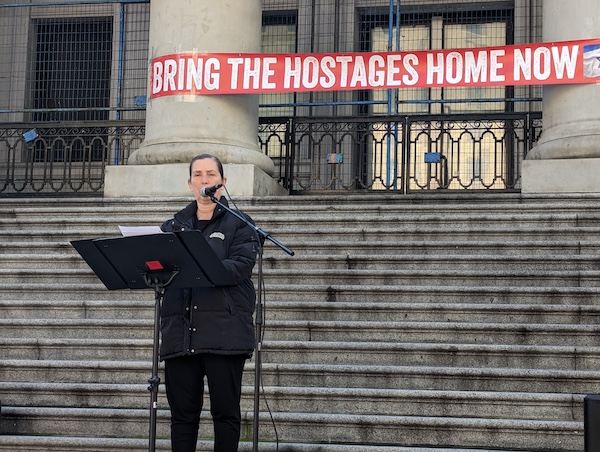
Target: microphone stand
{"type": "Point", "coordinates": [259, 313]}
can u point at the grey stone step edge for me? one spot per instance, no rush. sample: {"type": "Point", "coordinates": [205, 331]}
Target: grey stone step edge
{"type": "Point", "coordinates": [144, 367]}
{"type": "Point", "coordinates": [26, 258]}
{"type": "Point", "coordinates": [324, 201]}
{"type": "Point", "coordinates": [474, 396]}
{"type": "Point", "coordinates": [303, 247]}
{"type": "Point", "coordinates": [351, 288]}
{"type": "Point", "coordinates": [311, 310]}
{"type": "Point", "coordinates": [323, 419]}
{"type": "Point", "coordinates": [464, 327]}
{"type": "Point", "coordinates": [11, 443]}
{"type": "Point", "coordinates": [76, 273]}
{"type": "Point", "coordinates": [519, 216]}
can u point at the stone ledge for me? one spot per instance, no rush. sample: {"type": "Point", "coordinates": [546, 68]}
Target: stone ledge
{"type": "Point", "coordinates": [168, 180]}
{"type": "Point", "coordinates": [561, 176]}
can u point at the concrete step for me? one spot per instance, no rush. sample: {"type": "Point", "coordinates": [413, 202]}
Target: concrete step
{"type": "Point", "coordinates": [466, 278]}
{"type": "Point", "coordinates": [67, 291]}
{"type": "Point", "coordinates": [367, 311]}
{"type": "Point", "coordinates": [454, 378]}
{"type": "Point", "coordinates": [82, 329]}
{"type": "Point", "coordinates": [95, 422]}
{"type": "Point", "coordinates": [433, 332]}
{"type": "Point", "coordinates": [387, 244]}
{"type": "Point", "coordinates": [350, 353]}
{"type": "Point", "coordinates": [434, 354]}
{"type": "Point", "coordinates": [342, 241]}
{"type": "Point", "coordinates": [339, 375]}
{"type": "Point", "coordinates": [387, 276]}
{"type": "Point", "coordinates": [76, 371]}
{"type": "Point", "coordinates": [370, 202]}
{"type": "Point", "coordinates": [93, 395]}
{"type": "Point", "coordinates": [38, 246]}
{"type": "Point", "coordinates": [295, 228]}
{"type": "Point", "coordinates": [353, 218]}
{"type": "Point", "coordinates": [21, 443]}
{"type": "Point", "coordinates": [74, 348]}
{"type": "Point", "coordinates": [432, 263]}
{"type": "Point", "coordinates": [32, 443]}
{"type": "Point", "coordinates": [42, 261]}
{"type": "Point", "coordinates": [48, 336]}
{"type": "Point", "coordinates": [119, 308]}
{"type": "Point", "coordinates": [332, 293]}
{"type": "Point", "coordinates": [375, 201]}
{"type": "Point", "coordinates": [344, 244]}
{"type": "Point", "coordinates": [358, 310]}
{"type": "Point", "coordinates": [431, 294]}
{"type": "Point", "coordinates": [305, 427]}
{"type": "Point", "coordinates": [404, 402]}
{"type": "Point", "coordinates": [26, 259]}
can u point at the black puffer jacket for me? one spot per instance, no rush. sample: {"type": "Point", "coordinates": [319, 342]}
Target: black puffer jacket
{"type": "Point", "coordinates": [213, 319]}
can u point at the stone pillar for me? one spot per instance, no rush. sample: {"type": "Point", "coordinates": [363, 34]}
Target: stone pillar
{"type": "Point", "coordinates": [180, 127]}
{"type": "Point", "coordinates": [567, 158]}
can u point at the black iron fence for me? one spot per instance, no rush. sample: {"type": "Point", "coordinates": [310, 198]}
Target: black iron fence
{"type": "Point", "coordinates": [393, 153]}
{"type": "Point", "coordinates": [57, 159]}
{"type": "Point", "coordinates": [401, 153]}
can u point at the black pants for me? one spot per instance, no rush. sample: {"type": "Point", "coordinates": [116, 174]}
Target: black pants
{"type": "Point", "coordinates": [184, 381]}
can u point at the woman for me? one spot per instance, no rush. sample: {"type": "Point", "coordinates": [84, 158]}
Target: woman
{"type": "Point", "coordinates": [209, 331]}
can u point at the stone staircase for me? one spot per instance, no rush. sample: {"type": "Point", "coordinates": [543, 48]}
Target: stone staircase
{"type": "Point", "coordinates": [403, 323]}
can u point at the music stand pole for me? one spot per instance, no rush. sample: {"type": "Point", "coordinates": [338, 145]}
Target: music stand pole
{"type": "Point", "coordinates": [158, 281]}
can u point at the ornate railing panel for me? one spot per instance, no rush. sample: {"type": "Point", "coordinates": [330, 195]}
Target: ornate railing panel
{"type": "Point", "coordinates": [415, 153]}
{"type": "Point", "coordinates": [63, 159]}
{"type": "Point", "coordinates": [481, 152]}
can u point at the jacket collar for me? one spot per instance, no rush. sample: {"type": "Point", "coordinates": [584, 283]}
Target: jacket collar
{"type": "Point", "coordinates": [187, 214]}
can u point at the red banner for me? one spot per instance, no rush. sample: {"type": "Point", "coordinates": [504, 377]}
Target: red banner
{"type": "Point", "coordinates": [191, 73]}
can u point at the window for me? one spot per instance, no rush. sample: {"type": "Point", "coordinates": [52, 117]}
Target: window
{"type": "Point", "coordinates": [473, 157]}
{"type": "Point", "coordinates": [278, 36]}
{"type": "Point", "coordinates": [279, 32]}
{"type": "Point", "coordinates": [481, 29]}
{"type": "Point", "coordinates": [72, 69]}
{"type": "Point", "coordinates": [439, 30]}
{"type": "Point", "coordinates": [71, 83]}
{"type": "Point", "coordinates": [413, 37]}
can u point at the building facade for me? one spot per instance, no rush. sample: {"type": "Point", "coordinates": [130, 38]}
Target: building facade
{"type": "Point", "coordinates": [74, 86]}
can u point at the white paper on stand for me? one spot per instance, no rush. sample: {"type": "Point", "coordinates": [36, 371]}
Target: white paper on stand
{"type": "Point", "coordinates": [129, 231]}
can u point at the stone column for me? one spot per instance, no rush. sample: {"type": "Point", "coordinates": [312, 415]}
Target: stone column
{"type": "Point", "coordinates": [567, 158]}
{"type": "Point", "coordinates": [180, 127]}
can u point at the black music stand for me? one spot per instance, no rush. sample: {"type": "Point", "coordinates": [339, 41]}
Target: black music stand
{"type": "Point", "coordinates": [154, 261]}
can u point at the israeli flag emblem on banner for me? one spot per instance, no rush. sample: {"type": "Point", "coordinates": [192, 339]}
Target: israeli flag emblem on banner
{"type": "Point", "coordinates": [591, 61]}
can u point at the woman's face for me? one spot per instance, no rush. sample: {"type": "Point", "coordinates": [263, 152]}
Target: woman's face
{"type": "Point", "coordinates": [205, 173]}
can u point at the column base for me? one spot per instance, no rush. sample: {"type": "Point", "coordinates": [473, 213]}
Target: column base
{"type": "Point", "coordinates": [561, 176]}
{"type": "Point", "coordinates": [168, 180]}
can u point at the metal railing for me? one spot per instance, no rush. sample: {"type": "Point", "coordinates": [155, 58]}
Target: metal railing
{"type": "Point", "coordinates": [58, 159]}
{"type": "Point", "coordinates": [401, 154]}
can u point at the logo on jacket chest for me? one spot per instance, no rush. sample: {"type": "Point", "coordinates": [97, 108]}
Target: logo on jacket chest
{"type": "Point", "coordinates": [217, 235]}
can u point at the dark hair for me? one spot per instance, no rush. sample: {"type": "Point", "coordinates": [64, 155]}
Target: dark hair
{"type": "Point", "coordinates": [208, 156]}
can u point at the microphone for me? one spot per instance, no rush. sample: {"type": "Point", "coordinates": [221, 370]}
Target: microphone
{"type": "Point", "coordinates": [208, 192]}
